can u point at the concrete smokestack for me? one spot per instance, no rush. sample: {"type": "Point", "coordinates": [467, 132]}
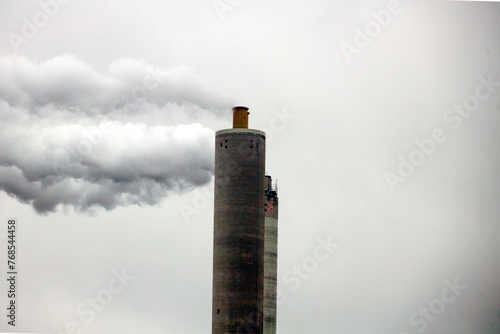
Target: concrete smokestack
{"type": "Point", "coordinates": [270, 254]}
{"type": "Point", "coordinates": [238, 267]}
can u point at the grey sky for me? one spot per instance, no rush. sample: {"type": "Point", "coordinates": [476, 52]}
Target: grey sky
{"type": "Point", "coordinates": [107, 120]}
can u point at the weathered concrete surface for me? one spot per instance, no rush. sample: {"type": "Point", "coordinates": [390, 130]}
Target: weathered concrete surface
{"type": "Point", "coordinates": [238, 272]}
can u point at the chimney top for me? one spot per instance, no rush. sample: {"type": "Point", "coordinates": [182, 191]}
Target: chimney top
{"type": "Point", "coordinates": [240, 117]}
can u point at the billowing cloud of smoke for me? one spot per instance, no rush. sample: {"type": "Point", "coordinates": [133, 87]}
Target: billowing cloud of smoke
{"type": "Point", "coordinates": [69, 137]}
{"type": "Point", "coordinates": [66, 81]}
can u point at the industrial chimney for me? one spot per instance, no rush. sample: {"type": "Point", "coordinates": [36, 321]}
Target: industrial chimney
{"type": "Point", "coordinates": [238, 267]}
{"type": "Point", "coordinates": [270, 254]}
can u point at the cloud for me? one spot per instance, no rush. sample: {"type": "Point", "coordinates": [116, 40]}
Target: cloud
{"type": "Point", "coordinates": [69, 138]}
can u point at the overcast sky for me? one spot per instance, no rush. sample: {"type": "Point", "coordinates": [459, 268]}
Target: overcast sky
{"type": "Point", "coordinates": [383, 130]}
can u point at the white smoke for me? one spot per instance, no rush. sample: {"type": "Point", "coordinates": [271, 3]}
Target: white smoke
{"type": "Point", "coordinates": [74, 137]}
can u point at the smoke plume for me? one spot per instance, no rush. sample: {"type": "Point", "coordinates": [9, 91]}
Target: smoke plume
{"type": "Point", "coordinates": [72, 136]}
